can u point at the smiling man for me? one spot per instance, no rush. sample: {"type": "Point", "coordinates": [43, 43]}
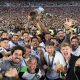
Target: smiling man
{"type": "Point", "coordinates": [10, 68]}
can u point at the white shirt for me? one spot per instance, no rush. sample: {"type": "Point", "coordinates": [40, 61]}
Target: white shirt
{"type": "Point", "coordinates": [76, 52]}
{"type": "Point", "coordinates": [29, 76]}
{"type": "Point", "coordinates": [50, 57]}
{"type": "Point", "coordinates": [36, 53]}
{"type": "Point", "coordinates": [42, 44]}
{"type": "Point", "coordinates": [58, 59]}
{"type": "Point", "coordinates": [11, 44]}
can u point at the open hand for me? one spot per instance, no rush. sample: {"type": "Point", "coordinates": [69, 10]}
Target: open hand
{"type": "Point", "coordinates": [59, 68]}
{"type": "Point", "coordinates": [12, 72]}
{"type": "Point", "coordinates": [68, 23]}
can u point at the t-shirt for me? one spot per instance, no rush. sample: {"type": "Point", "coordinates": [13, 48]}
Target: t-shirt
{"type": "Point", "coordinates": [26, 75]}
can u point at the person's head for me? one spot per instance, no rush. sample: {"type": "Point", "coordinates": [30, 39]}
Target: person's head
{"type": "Point", "coordinates": [17, 53]}
{"type": "Point", "coordinates": [32, 64]}
{"type": "Point", "coordinates": [4, 43]}
{"type": "Point", "coordinates": [50, 48]}
{"type": "Point", "coordinates": [55, 41]}
{"type": "Point", "coordinates": [26, 36]}
{"type": "Point", "coordinates": [4, 34]}
{"type": "Point", "coordinates": [74, 42]}
{"type": "Point", "coordinates": [66, 50]}
{"type": "Point", "coordinates": [19, 34]}
{"type": "Point", "coordinates": [28, 50]}
{"type": "Point", "coordinates": [15, 38]}
{"type": "Point", "coordinates": [60, 34]}
{"type": "Point", "coordinates": [47, 36]}
{"type": "Point", "coordinates": [33, 15]}
{"type": "Point", "coordinates": [35, 42]}
{"type": "Point", "coordinates": [40, 49]}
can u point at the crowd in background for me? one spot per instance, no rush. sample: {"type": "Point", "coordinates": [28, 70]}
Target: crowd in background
{"type": "Point", "coordinates": [16, 15]}
{"type": "Point", "coordinates": [41, 46]}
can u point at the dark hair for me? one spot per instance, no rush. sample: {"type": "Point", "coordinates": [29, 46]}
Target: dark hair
{"type": "Point", "coordinates": [25, 32]}
{"type": "Point", "coordinates": [3, 39]}
{"type": "Point", "coordinates": [50, 43]}
{"type": "Point", "coordinates": [14, 35]}
{"type": "Point", "coordinates": [55, 38]}
{"type": "Point", "coordinates": [18, 48]}
{"type": "Point", "coordinates": [74, 37]}
{"type": "Point", "coordinates": [34, 38]}
{"type": "Point", "coordinates": [28, 46]}
{"type": "Point", "coordinates": [3, 32]}
{"type": "Point", "coordinates": [32, 57]}
{"type": "Point", "coordinates": [33, 15]}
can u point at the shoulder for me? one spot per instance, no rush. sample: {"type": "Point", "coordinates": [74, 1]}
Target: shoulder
{"type": "Point", "coordinates": [79, 47]}
{"type": "Point", "coordinates": [45, 54]}
{"type": "Point", "coordinates": [39, 72]}
{"type": "Point", "coordinates": [6, 62]}
{"type": "Point", "coordinates": [10, 42]}
{"type": "Point", "coordinates": [73, 57]}
{"type": "Point", "coordinates": [59, 57]}
{"type": "Point", "coordinates": [58, 54]}
{"type": "Point", "coordinates": [23, 62]}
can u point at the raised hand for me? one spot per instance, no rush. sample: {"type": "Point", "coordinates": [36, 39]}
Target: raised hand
{"type": "Point", "coordinates": [68, 23]}
{"type": "Point", "coordinates": [59, 68]}
{"type": "Point", "coordinates": [12, 72]}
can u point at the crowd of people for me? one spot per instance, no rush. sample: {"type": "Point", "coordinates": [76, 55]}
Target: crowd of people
{"type": "Point", "coordinates": [31, 50]}
{"type": "Point", "coordinates": [12, 16]}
